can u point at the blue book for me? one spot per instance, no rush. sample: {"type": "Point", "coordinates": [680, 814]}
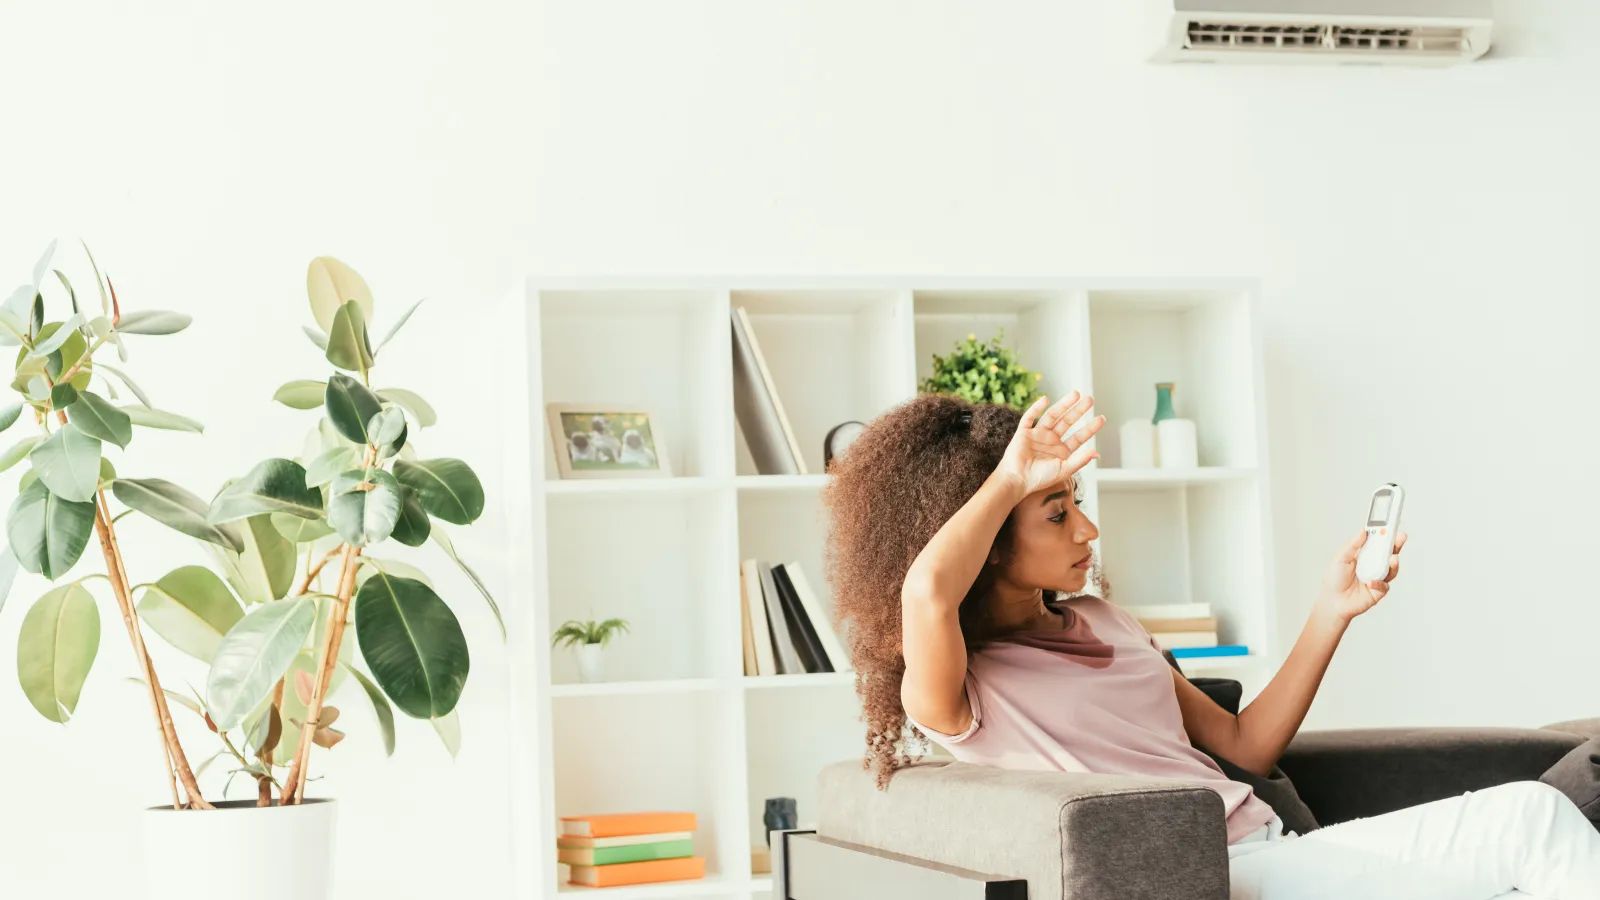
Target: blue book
{"type": "Point", "coordinates": [1201, 652]}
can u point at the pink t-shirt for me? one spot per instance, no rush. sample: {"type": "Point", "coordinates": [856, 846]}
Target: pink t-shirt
{"type": "Point", "coordinates": [1095, 697]}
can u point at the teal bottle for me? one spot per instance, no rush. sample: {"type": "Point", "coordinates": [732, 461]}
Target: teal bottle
{"type": "Point", "coordinates": [1163, 402]}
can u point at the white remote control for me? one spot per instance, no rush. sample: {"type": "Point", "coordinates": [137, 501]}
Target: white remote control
{"type": "Point", "coordinates": [1383, 524]}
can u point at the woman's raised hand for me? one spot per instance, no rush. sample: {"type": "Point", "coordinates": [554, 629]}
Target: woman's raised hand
{"type": "Point", "coordinates": [1050, 446]}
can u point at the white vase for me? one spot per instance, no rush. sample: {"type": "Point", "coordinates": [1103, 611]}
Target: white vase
{"type": "Point", "coordinates": [1138, 440]}
{"type": "Point", "coordinates": [188, 854]}
{"type": "Point", "coordinates": [591, 663]}
{"type": "Point", "coordinates": [1175, 439]}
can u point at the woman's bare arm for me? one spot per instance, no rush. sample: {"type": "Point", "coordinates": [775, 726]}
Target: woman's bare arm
{"type": "Point", "coordinates": [1044, 451]}
{"type": "Point", "coordinates": [1257, 737]}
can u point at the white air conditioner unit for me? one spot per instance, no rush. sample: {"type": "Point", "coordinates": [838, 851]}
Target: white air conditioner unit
{"type": "Point", "coordinates": [1405, 32]}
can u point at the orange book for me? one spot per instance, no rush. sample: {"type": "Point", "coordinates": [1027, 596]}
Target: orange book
{"type": "Point", "coordinates": [627, 823]}
{"type": "Point", "coordinates": [1159, 626]}
{"type": "Point", "coordinates": [689, 867]}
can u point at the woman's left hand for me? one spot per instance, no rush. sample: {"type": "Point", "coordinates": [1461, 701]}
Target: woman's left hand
{"type": "Point", "coordinates": [1345, 596]}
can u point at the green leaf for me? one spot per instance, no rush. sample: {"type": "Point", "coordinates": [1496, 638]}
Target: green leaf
{"type": "Point", "coordinates": [274, 485]}
{"type": "Point", "coordinates": [155, 418]}
{"type": "Point", "coordinates": [449, 730]}
{"type": "Point", "coordinates": [177, 509]}
{"type": "Point", "coordinates": [350, 407]}
{"type": "Point", "coordinates": [302, 394]}
{"type": "Point", "coordinates": [100, 327]}
{"type": "Point", "coordinates": [63, 395]}
{"type": "Point", "coordinates": [380, 706]}
{"type": "Point", "coordinates": [443, 540]}
{"type": "Point", "coordinates": [348, 347]}
{"type": "Point", "coordinates": [368, 516]}
{"type": "Point", "coordinates": [264, 570]}
{"type": "Point", "coordinates": [413, 526]}
{"type": "Point", "coordinates": [56, 647]}
{"type": "Point", "coordinates": [395, 329]}
{"type": "Point", "coordinates": [8, 574]}
{"type": "Point", "coordinates": [300, 531]}
{"type": "Point", "coordinates": [96, 417]}
{"type": "Point", "coordinates": [412, 403]}
{"type": "Point", "coordinates": [331, 284]}
{"type": "Point", "coordinates": [38, 389]}
{"type": "Point", "coordinates": [126, 381]}
{"type": "Point", "coordinates": [413, 645]}
{"type": "Point", "coordinates": [18, 451]}
{"type": "Point", "coordinates": [327, 466]}
{"type": "Point", "coordinates": [36, 317]}
{"type": "Point", "coordinates": [51, 341]}
{"type": "Point", "coordinates": [385, 426]}
{"type": "Point", "coordinates": [108, 474]}
{"type": "Point", "coordinates": [372, 565]}
{"type": "Point", "coordinates": [253, 655]}
{"type": "Point", "coordinates": [153, 321]}
{"type": "Point", "coordinates": [9, 415]}
{"type": "Point", "coordinates": [446, 488]}
{"type": "Point", "coordinates": [43, 265]}
{"type": "Point", "coordinates": [317, 337]}
{"type": "Point", "coordinates": [191, 609]}
{"type": "Point", "coordinates": [68, 462]}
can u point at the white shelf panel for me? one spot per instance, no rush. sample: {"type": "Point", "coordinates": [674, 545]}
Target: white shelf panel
{"type": "Point", "coordinates": [1113, 479]}
{"type": "Point", "coordinates": [634, 688]}
{"type": "Point", "coordinates": [710, 886]}
{"type": "Point", "coordinates": [688, 485]}
{"type": "Point", "coordinates": [818, 679]}
{"type": "Point", "coordinates": [781, 482]}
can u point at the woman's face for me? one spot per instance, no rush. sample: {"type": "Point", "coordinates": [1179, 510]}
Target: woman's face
{"type": "Point", "coordinates": [1050, 541]}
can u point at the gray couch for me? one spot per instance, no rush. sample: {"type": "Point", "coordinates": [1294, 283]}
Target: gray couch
{"type": "Point", "coordinates": [946, 830]}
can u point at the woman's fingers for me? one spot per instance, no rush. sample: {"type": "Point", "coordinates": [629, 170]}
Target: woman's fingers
{"type": "Point", "coordinates": [1053, 415]}
{"type": "Point", "coordinates": [1071, 415]}
{"type": "Point", "coordinates": [1394, 569]}
{"type": "Point", "coordinates": [1378, 588]}
{"type": "Point", "coordinates": [1031, 417]}
{"type": "Point", "coordinates": [1400, 541]}
{"type": "Point", "coordinates": [1080, 437]}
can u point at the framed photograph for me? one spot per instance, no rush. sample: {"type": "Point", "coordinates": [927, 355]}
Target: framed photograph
{"type": "Point", "coordinates": [601, 441]}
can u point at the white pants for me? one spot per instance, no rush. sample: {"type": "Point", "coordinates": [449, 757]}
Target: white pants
{"type": "Point", "coordinates": [1521, 839]}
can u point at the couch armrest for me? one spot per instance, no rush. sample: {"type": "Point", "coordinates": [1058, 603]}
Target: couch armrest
{"type": "Point", "coordinates": [1584, 728]}
{"type": "Point", "coordinates": [1350, 774]}
{"type": "Point", "coordinates": [1070, 836]}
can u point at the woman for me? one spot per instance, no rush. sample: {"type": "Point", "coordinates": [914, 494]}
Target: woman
{"type": "Point", "coordinates": [956, 545]}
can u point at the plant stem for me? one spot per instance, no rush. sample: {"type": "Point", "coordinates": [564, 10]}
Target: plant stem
{"type": "Point", "coordinates": [312, 571]}
{"type": "Point", "coordinates": [294, 792]}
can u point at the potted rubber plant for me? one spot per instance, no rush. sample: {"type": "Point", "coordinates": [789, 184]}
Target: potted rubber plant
{"type": "Point", "coordinates": [292, 543]}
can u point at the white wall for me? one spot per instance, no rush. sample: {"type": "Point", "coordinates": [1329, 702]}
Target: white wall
{"type": "Point", "coordinates": [1422, 236]}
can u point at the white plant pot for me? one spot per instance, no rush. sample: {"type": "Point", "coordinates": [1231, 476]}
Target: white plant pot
{"type": "Point", "coordinates": [591, 663]}
{"type": "Point", "coordinates": [246, 852]}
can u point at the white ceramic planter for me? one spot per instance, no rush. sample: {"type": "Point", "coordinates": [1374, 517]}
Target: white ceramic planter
{"type": "Point", "coordinates": [245, 851]}
{"type": "Point", "coordinates": [591, 663]}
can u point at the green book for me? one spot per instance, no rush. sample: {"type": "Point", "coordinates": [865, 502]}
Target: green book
{"type": "Point", "coordinates": [605, 856]}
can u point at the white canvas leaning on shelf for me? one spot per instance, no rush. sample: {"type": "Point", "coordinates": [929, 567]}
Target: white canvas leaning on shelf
{"type": "Point", "coordinates": [757, 407]}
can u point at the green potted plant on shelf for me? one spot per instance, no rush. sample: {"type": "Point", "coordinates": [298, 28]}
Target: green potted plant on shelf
{"type": "Point", "coordinates": [984, 372]}
{"type": "Point", "coordinates": [270, 629]}
{"type": "Point", "coordinates": [589, 640]}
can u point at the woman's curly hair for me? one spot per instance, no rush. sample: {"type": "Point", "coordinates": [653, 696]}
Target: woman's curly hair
{"type": "Point", "coordinates": [889, 494]}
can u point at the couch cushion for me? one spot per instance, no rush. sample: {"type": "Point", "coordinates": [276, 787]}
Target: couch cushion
{"type": "Point", "coordinates": [1073, 836]}
{"type": "Point", "coordinates": [1589, 728]}
{"type": "Point", "coordinates": [1578, 776]}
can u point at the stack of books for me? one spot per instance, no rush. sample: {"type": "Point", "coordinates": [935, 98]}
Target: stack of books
{"type": "Point", "coordinates": [786, 627]}
{"type": "Point", "coordinates": [635, 848]}
{"type": "Point", "coordinates": [1189, 630]}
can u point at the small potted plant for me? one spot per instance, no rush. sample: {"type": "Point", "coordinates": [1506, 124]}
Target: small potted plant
{"type": "Point", "coordinates": [590, 638]}
{"type": "Point", "coordinates": [980, 372]}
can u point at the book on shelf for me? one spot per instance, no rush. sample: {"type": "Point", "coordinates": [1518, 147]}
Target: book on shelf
{"type": "Point", "coordinates": [1171, 611]}
{"type": "Point", "coordinates": [778, 624]}
{"type": "Point", "coordinates": [803, 633]}
{"type": "Point", "coordinates": [627, 853]}
{"type": "Point", "coordinates": [647, 872]}
{"type": "Point", "coordinates": [620, 824]}
{"type": "Point", "coordinates": [757, 408]}
{"type": "Point", "coordinates": [747, 632]}
{"type": "Point", "coordinates": [1180, 640]}
{"type": "Point", "coordinates": [755, 606]}
{"type": "Point", "coordinates": [789, 626]}
{"type": "Point", "coordinates": [1211, 652]}
{"type": "Point", "coordinates": [1158, 626]}
{"type": "Point", "coordinates": [571, 841]}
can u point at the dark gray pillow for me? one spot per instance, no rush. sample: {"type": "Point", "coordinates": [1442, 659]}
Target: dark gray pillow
{"type": "Point", "coordinates": [1578, 776]}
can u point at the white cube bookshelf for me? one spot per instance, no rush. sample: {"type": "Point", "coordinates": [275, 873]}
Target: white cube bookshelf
{"type": "Point", "coordinates": [678, 725]}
